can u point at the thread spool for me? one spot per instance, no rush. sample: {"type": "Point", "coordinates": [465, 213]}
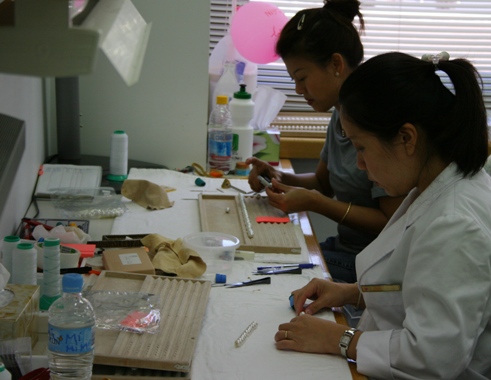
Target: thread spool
{"type": "Point", "coordinates": [51, 273]}
{"type": "Point", "coordinates": [118, 161]}
{"type": "Point", "coordinates": [9, 244]}
{"type": "Point", "coordinates": [24, 264]}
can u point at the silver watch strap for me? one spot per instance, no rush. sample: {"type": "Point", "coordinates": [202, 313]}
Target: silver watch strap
{"type": "Point", "coordinates": [345, 341]}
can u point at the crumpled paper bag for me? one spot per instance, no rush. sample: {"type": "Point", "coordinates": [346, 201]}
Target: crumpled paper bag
{"type": "Point", "coordinates": [147, 194]}
{"type": "Point", "coordinates": [171, 257]}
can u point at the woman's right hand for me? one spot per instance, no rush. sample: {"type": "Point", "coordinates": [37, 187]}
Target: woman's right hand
{"type": "Point", "coordinates": [262, 168]}
{"type": "Point", "coordinates": [323, 293]}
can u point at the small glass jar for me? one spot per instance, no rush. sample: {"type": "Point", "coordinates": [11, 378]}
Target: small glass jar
{"type": "Point", "coordinates": [242, 169]}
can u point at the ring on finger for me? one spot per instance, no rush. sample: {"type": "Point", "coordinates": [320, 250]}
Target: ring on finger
{"type": "Point", "coordinates": [286, 334]}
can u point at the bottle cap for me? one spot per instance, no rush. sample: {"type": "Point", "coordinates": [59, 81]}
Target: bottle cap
{"type": "Point", "coordinates": [119, 132]}
{"type": "Point", "coordinates": [11, 238]}
{"type": "Point", "coordinates": [72, 283]}
{"type": "Point", "coordinates": [51, 242]}
{"type": "Point", "coordinates": [25, 246]}
{"type": "Point", "coordinates": [242, 93]}
{"type": "Point", "coordinates": [222, 99]}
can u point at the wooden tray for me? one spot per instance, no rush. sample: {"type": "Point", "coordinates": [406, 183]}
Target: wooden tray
{"type": "Point", "coordinates": [183, 305]}
{"type": "Point", "coordinates": [222, 213]}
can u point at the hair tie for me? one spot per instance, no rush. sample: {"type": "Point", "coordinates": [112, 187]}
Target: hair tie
{"type": "Point", "coordinates": [437, 58]}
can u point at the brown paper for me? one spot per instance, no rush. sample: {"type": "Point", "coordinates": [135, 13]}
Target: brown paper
{"type": "Point", "coordinates": [171, 257]}
{"type": "Point", "coordinates": [146, 194]}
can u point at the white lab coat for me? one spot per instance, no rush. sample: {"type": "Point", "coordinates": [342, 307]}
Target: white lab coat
{"type": "Point", "coordinates": [437, 246]}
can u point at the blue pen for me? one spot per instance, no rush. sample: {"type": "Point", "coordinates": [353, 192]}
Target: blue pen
{"type": "Point", "coordinates": [285, 266]}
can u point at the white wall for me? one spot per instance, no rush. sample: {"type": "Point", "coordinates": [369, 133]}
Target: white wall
{"type": "Point", "coordinates": [21, 97]}
{"type": "Point", "coordinates": [165, 113]}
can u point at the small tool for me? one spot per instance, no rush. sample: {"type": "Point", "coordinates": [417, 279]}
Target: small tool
{"type": "Point", "coordinates": [265, 182]}
{"type": "Point", "coordinates": [285, 266]}
{"type": "Point", "coordinates": [264, 280]}
{"type": "Point", "coordinates": [279, 271]}
{"type": "Point", "coordinates": [227, 185]}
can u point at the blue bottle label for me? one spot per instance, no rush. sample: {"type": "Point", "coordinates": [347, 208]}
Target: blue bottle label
{"type": "Point", "coordinates": [71, 341]}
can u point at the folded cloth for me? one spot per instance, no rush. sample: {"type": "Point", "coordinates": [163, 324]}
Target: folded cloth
{"type": "Point", "coordinates": [172, 258]}
{"type": "Point", "coordinates": [147, 194]}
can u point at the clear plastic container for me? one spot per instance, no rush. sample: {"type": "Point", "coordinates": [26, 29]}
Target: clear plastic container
{"type": "Point", "coordinates": [71, 325]}
{"type": "Point", "coordinates": [215, 248]}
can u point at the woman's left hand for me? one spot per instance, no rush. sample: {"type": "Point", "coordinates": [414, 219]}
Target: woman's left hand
{"type": "Point", "coordinates": [307, 333]}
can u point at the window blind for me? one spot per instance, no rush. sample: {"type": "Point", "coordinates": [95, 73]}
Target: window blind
{"type": "Point", "coordinates": [460, 27]}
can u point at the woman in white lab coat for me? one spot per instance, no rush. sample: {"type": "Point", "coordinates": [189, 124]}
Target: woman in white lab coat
{"type": "Point", "coordinates": [426, 280]}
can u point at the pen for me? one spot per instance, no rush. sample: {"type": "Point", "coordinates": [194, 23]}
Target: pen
{"type": "Point", "coordinates": [285, 266]}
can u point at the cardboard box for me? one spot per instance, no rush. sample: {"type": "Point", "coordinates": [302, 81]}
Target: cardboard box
{"type": "Point", "coordinates": [18, 319]}
{"type": "Point", "coordinates": [267, 145]}
{"type": "Point", "coordinates": [134, 260]}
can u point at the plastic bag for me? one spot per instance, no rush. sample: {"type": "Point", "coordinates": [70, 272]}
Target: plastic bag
{"type": "Point", "coordinates": [90, 203]}
{"type": "Point", "coordinates": [125, 311]}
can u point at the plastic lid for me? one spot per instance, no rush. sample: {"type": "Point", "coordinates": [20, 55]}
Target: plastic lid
{"type": "Point", "coordinates": [25, 246]}
{"type": "Point", "coordinates": [2, 367]}
{"type": "Point", "coordinates": [11, 238]}
{"type": "Point", "coordinates": [242, 93]}
{"type": "Point", "coordinates": [222, 99]}
{"type": "Point", "coordinates": [51, 242]}
{"type": "Point", "coordinates": [72, 283]}
{"type": "Point", "coordinates": [119, 132]}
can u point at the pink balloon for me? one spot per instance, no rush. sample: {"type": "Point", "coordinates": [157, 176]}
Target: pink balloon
{"type": "Point", "coordinates": [255, 28]}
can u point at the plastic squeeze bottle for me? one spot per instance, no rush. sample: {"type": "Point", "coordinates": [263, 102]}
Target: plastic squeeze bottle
{"type": "Point", "coordinates": [242, 112]}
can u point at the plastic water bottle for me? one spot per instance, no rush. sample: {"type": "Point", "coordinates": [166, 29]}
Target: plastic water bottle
{"type": "Point", "coordinates": [220, 136]}
{"type": "Point", "coordinates": [4, 373]}
{"type": "Point", "coordinates": [242, 111]}
{"type": "Point", "coordinates": [9, 244]}
{"type": "Point", "coordinates": [71, 325]}
{"type": "Point", "coordinates": [51, 273]}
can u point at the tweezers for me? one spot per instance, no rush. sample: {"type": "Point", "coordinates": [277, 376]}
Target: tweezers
{"type": "Point", "coordinates": [264, 280]}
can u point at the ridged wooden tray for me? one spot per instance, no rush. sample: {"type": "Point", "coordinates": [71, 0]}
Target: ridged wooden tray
{"type": "Point", "coordinates": [183, 305]}
{"type": "Point", "coordinates": [222, 213]}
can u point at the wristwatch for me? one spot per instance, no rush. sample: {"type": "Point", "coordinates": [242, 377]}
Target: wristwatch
{"type": "Point", "coordinates": [346, 340]}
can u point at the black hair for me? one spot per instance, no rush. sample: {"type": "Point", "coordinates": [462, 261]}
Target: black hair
{"type": "Point", "coordinates": [318, 33]}
{"type": "Point", "coordinates": [394, 88]}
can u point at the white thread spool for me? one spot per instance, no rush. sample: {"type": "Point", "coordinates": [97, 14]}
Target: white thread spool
{"type": "Point", "coordinates": [9, 244]}
{"type": "Point", "coordinates": [118, 162]}
{"type": "Point", "coordinates": [24, 264]}
{"type": "Point", "coordinates": [51, 273]}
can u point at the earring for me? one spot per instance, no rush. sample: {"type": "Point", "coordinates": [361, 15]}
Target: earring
{"type": "Point", "coordinates": [343, 133]}
{"type": "Point", "coordinates": [336, 74]}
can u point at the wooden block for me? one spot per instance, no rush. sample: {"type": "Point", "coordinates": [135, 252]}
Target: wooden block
{"type": "Point", "coordinates": [223, 213]}
{"type": "Point", "coordinates": [182, 309]}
